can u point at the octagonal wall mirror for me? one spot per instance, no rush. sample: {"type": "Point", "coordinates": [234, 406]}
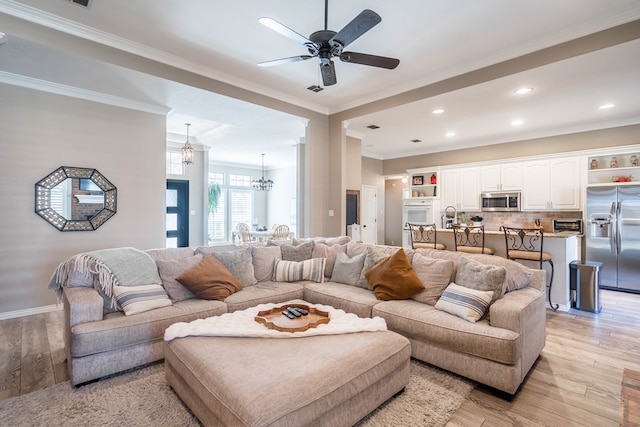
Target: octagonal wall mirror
{"type": "Point", "coordinates": [75, 199]}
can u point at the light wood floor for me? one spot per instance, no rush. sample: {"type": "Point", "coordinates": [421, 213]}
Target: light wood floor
{"type": "Point", "coordinates": [575, 382]}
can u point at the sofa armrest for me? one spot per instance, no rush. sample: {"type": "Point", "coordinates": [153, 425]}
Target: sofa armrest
{"type": "Point", "coordinates": [82, 305]}
{"type": "Point", "coordinates": [519, 310]}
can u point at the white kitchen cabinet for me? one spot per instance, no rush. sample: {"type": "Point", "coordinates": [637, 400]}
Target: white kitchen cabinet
{"type": "Point", "coordinates": [461, 188]}
{"type": "Point", "coordinates": [507, 177]}
{"type": "Point", "coordinates": [551, 184]}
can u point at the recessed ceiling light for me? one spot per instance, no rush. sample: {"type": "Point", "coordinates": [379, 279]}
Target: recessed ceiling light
{"type": "Point", "coordinates": [523, 90]}
{"type": "Point", "coordinates": [517, 122]}
{"type": "Point", "coordinates": [438, 111]}
{"type": "Point", "coordinates": [450, 134]}
{"type": "Point", "coordinates": [415, 141]}
{"type": "Point", "coordinates": [373, 127]}
{"type": "Point", "coordinates": [606, 106]}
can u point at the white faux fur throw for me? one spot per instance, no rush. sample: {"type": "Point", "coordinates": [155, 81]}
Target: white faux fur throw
{"type": "Point", "coordinates": [242, 324]}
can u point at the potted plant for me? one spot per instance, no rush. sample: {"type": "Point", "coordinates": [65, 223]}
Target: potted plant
{"type": "Point", "coordinates": [214, 196]}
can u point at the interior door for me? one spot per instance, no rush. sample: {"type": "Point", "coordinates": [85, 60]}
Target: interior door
{"type": "Point", "coordinates": [368, 214]}
{"type": "Point", "coordinates": [177, 224]}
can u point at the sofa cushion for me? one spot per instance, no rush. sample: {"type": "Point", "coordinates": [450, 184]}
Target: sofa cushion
{"type": "Point", "coordinates": [169, 269]}
{"type": "Point", "coordinates": [348, 298]}
{"type": "Point", "coordinates": [239, 263]}
{"type": "Point", "coordinates": [263, 259]}
{"type": "Point", "coordinates": [321, 250]}
{"type": "Point", "coordinates": [482, 277]}
{"type": "Point", "coordinates": [210, 279]}
{"type": "Point", "coordinates": [297, 253]}
{"type": "Point", "coordinates": [138, 299]}
{"type": "Point", "coordinates": [264, 292]}
{"type": "Point", "coordinates": [292, 271]}
{"type": "Point", "coordinates": [422, 322]}
{"type": "Point", "coordinates": [435, 275]}
{"type": "Point", "coordinates": [468, 304]}
{"type": "Point", "coordinates": [394, 278]}
{"type": "Point", "coordinates": [347, 269]}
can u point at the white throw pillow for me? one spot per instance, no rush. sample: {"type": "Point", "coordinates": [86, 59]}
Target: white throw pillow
{"type": "Point", "coordinates": [293, 271]}
{"type": "Point", "coordinates": [138, 299]}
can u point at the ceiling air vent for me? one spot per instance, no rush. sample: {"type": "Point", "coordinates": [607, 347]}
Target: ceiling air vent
{"type": "Point", "coordinates": [84, 3]}
{"type": "Point", "coordinates": [315, 88]}
{"type": "Point", "coordinates": [373, 127]}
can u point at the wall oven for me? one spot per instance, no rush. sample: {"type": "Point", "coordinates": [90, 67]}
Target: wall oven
{"type": "Point", "coordinates": [501, 202]}
{"type": "Point", "coordinates": [415, 211]}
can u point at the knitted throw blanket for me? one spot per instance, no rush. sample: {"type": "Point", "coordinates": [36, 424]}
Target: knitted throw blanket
{"type": "Point", "coordinates": [114, 266]}
{"type": "Point", "coordinates": [242, 324]}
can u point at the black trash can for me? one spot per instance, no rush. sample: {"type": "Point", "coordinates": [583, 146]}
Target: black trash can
{"type": "Point", "coordinates": [584, 281]}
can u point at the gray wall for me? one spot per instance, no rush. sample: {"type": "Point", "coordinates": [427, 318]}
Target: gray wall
{"type": "Point", "coordinates": [41, 132]}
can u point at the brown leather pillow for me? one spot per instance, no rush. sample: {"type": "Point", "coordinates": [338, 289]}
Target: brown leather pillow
{"type": "Point", "coordinates": [210, 279]}
{"type": "Point", "coordinates": [394, 278]}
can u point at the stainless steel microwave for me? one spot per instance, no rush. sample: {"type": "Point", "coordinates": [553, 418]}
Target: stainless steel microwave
{"type": "Point", "coordinates": [501, 202]}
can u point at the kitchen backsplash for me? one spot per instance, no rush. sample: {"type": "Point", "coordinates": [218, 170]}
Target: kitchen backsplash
{"type": "Point", "coordinates": [493, 220]}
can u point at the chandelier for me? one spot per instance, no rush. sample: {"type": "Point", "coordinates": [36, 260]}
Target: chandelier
{"type": "Point", "coordinates": [262, 184]}
{"type": "Point", "coordinates": [187, 150]}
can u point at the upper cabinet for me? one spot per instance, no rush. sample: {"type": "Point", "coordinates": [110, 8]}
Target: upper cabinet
{"type": "Point", "coordinates": [616, 168]}
{"type": "Point", "coordinates": [551, 184]}
{"type": "Point", "coordinates": [507, 177]}
{"type": "Point", "coordinates": [461, 188]}
{"type": "Point", "coordinates": [423, 182]}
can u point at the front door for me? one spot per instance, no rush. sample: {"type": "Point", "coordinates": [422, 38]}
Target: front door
{"type": "Point", "coordinates": [177, 213]}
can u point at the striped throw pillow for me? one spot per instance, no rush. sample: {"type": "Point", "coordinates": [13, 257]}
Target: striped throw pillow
{"type": "Point", "coordinates": [469, 304]}
{"type": "Point", "coordinates": [138, 299]}
{"type": "Point", "coordinates": [293, 271]}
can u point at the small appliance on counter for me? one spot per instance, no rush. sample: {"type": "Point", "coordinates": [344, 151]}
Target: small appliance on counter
{"type": "Point", "coordinates": [567, 224]}
{"type": "Point", "coordinates": [450, 217]}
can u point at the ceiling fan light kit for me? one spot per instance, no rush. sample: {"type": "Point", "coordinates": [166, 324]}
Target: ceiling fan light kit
{"type": "Point", "coordinates": [327, 44]}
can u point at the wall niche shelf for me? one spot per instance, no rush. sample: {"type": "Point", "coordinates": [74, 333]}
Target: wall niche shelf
{"type": "Point", "coordinates": [423, 183]}
{"type": "Point", "coordinates": [601, 173]}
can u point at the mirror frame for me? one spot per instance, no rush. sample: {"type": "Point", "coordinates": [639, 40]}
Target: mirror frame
{"type": "Point", "coordinates": [43, 199]}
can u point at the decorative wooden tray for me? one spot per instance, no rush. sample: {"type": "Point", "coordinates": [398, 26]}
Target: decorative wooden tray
{"type": "Point", "coordinates": [274, 319]}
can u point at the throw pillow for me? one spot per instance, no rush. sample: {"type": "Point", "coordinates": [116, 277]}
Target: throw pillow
{"type": "Point", "coordinates": [240, 264]}
{"type": "Point", "coordinates": [293, 271]}
{"type": "Point", "coordinates": [435, 275]}
{"type": "Point", "coordinates": [394, 278]}
{"type": "Point", "coordinates": [210, 279]}
{"type": "Point", "coordinates": [347, 270]}
{"type": "Point", "coordinates": [321, 250]}
{"type": "Point", "coordinates": [297, 253]}
{"type": "Point", "coordinates": [263, 259]}
{"type": "Point", "coordinates": [469, 304]}
{"type": "Point", "coordinates": [483, 277]}
{"type": "Point", "coordinates": [170, 269]}
{"type": "Point", "coordinates": [375, 254]}
{"type": "Point", "coordinates": [138, 299]}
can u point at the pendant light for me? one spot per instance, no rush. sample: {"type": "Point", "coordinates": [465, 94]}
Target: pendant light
{"type": "Point", "coordinates": [262, 184]}
{"type": "Point", "coordinates": [187, 150]}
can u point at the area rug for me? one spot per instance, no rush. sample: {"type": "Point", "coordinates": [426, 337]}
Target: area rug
{"type": "Point", "coordinates": [142, 397]}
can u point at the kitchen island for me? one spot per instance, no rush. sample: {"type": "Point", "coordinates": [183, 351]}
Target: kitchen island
{"type": "Point", "coordinates": [563, 247]}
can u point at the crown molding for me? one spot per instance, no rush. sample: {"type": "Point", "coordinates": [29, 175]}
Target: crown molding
{"type": "Point", "coordinates": [74, 92]}
{"type": "Point", "coordinates": [36, 16]}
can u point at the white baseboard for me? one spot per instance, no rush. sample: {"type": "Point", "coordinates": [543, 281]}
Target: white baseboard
{"type": "Point", "coordinates": [30, 311]}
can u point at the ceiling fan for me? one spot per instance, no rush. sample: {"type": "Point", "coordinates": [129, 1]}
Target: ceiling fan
{"type": "Point", "coordinates": [326, 44]}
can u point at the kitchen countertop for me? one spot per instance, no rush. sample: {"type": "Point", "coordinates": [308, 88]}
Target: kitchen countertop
{"type": "Point", "coordinates": [562, 234]}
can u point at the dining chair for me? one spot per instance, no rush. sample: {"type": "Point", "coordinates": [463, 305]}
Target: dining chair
{"type": "Point", "coordinates": [244, 235]}
{"type": "Point", "coordinates": [281, 232]}
{"type": "Point", "coordinates": [527, 244]}
{"type": "Point", "coordinates": [470, 239]}
{"type": "Point", "coordinates": [424, 236]}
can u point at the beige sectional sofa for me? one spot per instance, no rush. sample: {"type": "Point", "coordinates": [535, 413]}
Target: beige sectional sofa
{"type": "Point", "coordinates": [497, 350]}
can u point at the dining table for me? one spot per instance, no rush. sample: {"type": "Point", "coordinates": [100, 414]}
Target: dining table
{"type": "Point", "coordinates": [258, 235]}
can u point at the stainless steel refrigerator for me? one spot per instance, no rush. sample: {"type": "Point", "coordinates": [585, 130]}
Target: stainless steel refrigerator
{"type": "Point", "coordinates": [613, 235]}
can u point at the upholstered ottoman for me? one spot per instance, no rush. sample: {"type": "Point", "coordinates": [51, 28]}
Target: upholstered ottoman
{"type": "Point", "coordinates": [331, 380]}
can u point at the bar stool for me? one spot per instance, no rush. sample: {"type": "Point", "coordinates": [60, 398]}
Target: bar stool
{"type": "Point", "coordinates": [424, 236]}
{"type": "Point", "coordinates": [470, 240]}
{"type": "Point", "coordinates": [522, 244]}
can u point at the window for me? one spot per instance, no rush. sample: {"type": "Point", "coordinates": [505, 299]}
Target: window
{"type": "Point", "coordinates": [174, 163]}
{"type": "Point", "coordinates": [235, 205]}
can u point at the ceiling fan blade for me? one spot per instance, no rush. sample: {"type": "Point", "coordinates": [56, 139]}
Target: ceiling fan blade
{"type": "Point", "coordinates": [328, 72]}
{"type": "Point", "coordinates": [285, 31]}
{"type": "Point", "coordinates": [362, 23]}
{"type": "Point", "coordinates": [284, 60]}
{"type": "Point", "coordinates": [372, 60]}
